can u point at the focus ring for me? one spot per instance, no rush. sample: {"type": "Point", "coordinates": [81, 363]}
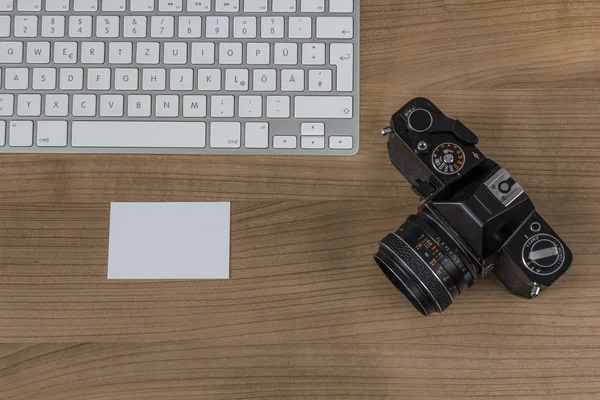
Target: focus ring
{"type": "Point", "coordinates": [422, 272]}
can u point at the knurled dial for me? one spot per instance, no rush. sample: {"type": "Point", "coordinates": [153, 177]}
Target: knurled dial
{"type": "Point", "coordinates": [448, 158]}
{"type": "Point", "coordinates": [543, 254]}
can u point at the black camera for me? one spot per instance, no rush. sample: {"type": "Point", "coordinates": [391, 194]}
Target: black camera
{"type": "Point", "coordinates": [473, 218]}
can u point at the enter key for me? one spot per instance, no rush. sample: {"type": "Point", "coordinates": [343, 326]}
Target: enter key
{"type": "Point", "coordinates": [342, 56]}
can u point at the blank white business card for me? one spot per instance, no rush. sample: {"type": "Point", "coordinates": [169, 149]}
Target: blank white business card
{"type": "Point", "coordinates": [169, 241]}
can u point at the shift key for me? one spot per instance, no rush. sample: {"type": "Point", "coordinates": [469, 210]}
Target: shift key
{"type": "Point", "coordinates": [323, 107]}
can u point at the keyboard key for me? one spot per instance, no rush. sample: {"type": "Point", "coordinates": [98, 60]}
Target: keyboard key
{"type": "Point", "coordinates": [51, 133]}
{"type": "Point", "coordinates": [278, 106]}
{"type": "Point", "coordinates": [2, 133]}
{"type": "Point", "coordinates": [284, 142]}
{"type": "Point", "coordinates": [66, 52]}
{"type": "Point", "coordinates": [222, 106]}
{"type": "Point", "coordinates": [286, 53]}
{"type": "Point", "coordinates": [16, 78]}
{"type": "Point", "coordinates": [312, 6]}
{"type": "Point", "coordinates": [111, 105]}
{"type": "Point", "coordinates": [162, 26]}
{"type": "Point", "coordinates": [265, 80]}
{"type": "Point", "coordinates": [147, 53]}
{"type": "Point", "coordinates": [258, 53]}
{"type": "Point", "coordinates": [292, 80]}
{"type": "Point", "coordinates": [84, 105]}
{"type": "Point", "coordinates": [217, 27]}
{"type": "Point", "coordinates": [244, 27]}
{"type": "Point", "coordinates": [312, 129]}
{"type": "Point", "coordinates": [142, 5]}
{"type": "Point", "coordinates": [38, 52]}
{"type": "Point", "coordinates": [198, 5]}
{"type": "Point", "coordinates": [194, 106]}
{"type": "Point", "coordinates": [250, 107]}
{"type": "Point", "coordinates": [340, 142]}
{"type": "Point", "coordinates": [53, 26]}
{"type": "Point", "coordinates": [98, 79]}
{"type": "Point", "coordinates": [80, 26]}
{"type": "Point", "coordinates": [139, 106]}
{"type": "Point", "coordinates": [29, 5]}
{"type": "Point", "coordinates": [56, 105]}
{"type": "Point", "coordinates": [107, 26]}
{"type": "Point", "coordinates": [225, 134]}
{"type": "Point", "coordinates": [43, 79]}
{"type": "Point", "coordinates": [175, 53]}
{"type": "Point", "coordinates": [284, 6]}
{"type": "Point", "coordinates": [4, 26]}
{"type": "Point", "coordinates": [203, 53]}
{"type": "Point", "coordinates": [167, 106]}
{"type": "Point", "coordinates": [255, 6]}
{"type": "Point", "coordinates": [271, 27]}
{"type": "Point", "coordinates": [114, 5]}
{"type": "Point", "coordinates": [227, 5]}
{"type": "Point", "coordinates": [21, 134]}
{"type": "Point", "coordinates": [190, 27]}
{"type": "Point", "coordinates": [313, 142]}
{"type": "Point", "coordinates": [341, 6]}
{"type": "Point", "coordinates": [230, 53]}
{"type": "Point", "coordinates": [134, 27]}
{"type": "Point", "coordinates": [256, 135]}
{"type": "Point", "coordinates": [85, 5]}
{"type": "Point", "coordinates": [236, 80]}
{"type": "Point", "coordinates": [335, 27]}
{"type": "Point", "coordinates": [342, 56]}
{"type": "Point", "coordinates": [29, 105]}
{"type": "Point", "coordinates": [138, 134]}
{"type": "Point", "coordinates": [319, 80]}
{"type": "Point", "coordinates": [181, 79]}
{"type": "Point", "coordinates": [92, 52]}
{"type": "Point", "coordinates": [6, 5]}
{"type": "Point", "coordinates": [323, 107]}
{"type": "Point", "coordinates": [313, 53]}
{"type": "Point", "coordinates": [126, 79]}
{"type": "Point", "coordinates": [120, 52]}
{"type": "Point", "coordinates": [57, 5]}
{"type": "Point", "coordinates": [300, 28]}
{"type": "Point", "coordinates": [209, 79]}
{"type": "Point", "coordinates": [26, 26]}
{"type": "Point", "coordinates": [170, 5]}
{"type": "Point", "coordinates": [11, 52]}
{"type": "Point", "coordinates": [6, 105]}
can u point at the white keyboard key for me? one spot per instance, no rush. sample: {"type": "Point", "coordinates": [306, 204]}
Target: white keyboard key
{"type": "Point", "coordinates": [300, 28]}
{"type": "Point", "coordinates": [323, 107]}
{"type": "Point", "coordinates": [225, 135]}
{"type": "Point", "coordinates": [56, 105]}
{"type": "Point", "coordinates": [57, 5]}
{"type": "Point", "coordinates": [4, 28]}
{"type": "Point", "coordinates": [313, 53]}
{"type": "Point", "coordinates": [29, 5]}
{"type": "Point", "coordinates": [92, 52]}
{"type": "Point", "coordinates": [51, 134]}
{"type": "Point", "coordinates": [16, 78]}
{"type": "Point", "coordinates": [2, 133]}
{"type": "Point", "coordinates": [170, 5]}
{"type": "Point", "coordinates": [85, 5]}
{"type": "Point", "coordinates": [142, 5]}
{"type": "Point", "coordinates": [98, 79]}
{"type": "Point", "coordinates": [84, 105]}
{"type": "Point", "coordinates": [111, 105]}
{"type": "Point", "coordinates": [312, 6]}
{"type": "Point", "coordinates": [236, 80]}
{"type": "Point", "coordinates": [147, 53]}
{"type": "Point", "coordinates": [190, 27]}
{"type": "Point", "coordinates": [181, 79]}
{"type": "Point", "coordinates": [43, 79]}
{"type": "Point", "coordinates": [244, 27]}
{"type": "Point", "coordinates": [154, 79]}
{"type": "Point", "coordinates": [256, 135]}
{"type": "Point", "coordinates": [138, 134]}
{"type": "Point", "coordinates": [278, 106]}
{"type": "Point", "coordinates": [38, 52]}
{"type": "Point", "coordinates": [11, 52]}
{"type": "Point", "coordinates": [120, 52]}
{"type": "Point", "coordinates": [6, 5]}
{"type": "Point", "coordinates": [7, 105]}
{"type": "Point", "coordinates": [65, 52]}
{"type": "Point", "coordinates": [341, 6]}
{"type": "Point", "coordinates": [25, 25]}
{"type": "Point", "coordinates": [230, 53]}
{"type": "Point", "coordinates": [284, 142]}
{"type": "Point", "coordinates": [335, 27]}
{"type": "Point", "coordinates": [342, 56]}
{"type": "Point", "coordinates": [284, 6]}
{"type": "Point", "coordinates": [340, 142]}
{"type": "Point", "coordinates": [126, 79]}
{"type": "Point", "coordinates": [217, 27]}
{"type": "Point", "coordinates": [139, 106]}
{"type": "Point", "coordinates": [250, 106]}
{"type": "Point", "coordinates": [227, 5]}
{"type": "Point", "coordinates": [194, 106]}
{"type": "Point", "coordinates": [292, 80]}
{"type": "Point", "coordinates": [221, 106]}
{"type": "Point", "coordinates": [107, 26]}
{"type": "Point", "coordinates": [134, 27]}
{"type": "Point", "coordinates": [271, 27]}
{"type": "Point", "coordinates": [162, 26]}
{"type": "Point", "coordinates": [114, 5]}
{"type": "Point", "coordinates": [53, 26]}
{"type": "Point", "coordinates": [312, 129]}
{"type": "Point", "coordinates": [209, 79]}
{"type": "Point", "coordinates": [265, 80]}
{"type": "Point", "coordinates": [80, 26]}
{"type": "Point", "coordinates": [198, 5]}
{"type": "Point", "coordinates": [258, 53]}
{"type": "Point", "coordinates": [312, 142]}
{"type": "Point", "coordinates": [167, 106]}
{"type": "Point", "coordinates": [21, 134]}
{"type": "Point", "coordinates": [29, 105]}
{"type": "Point", "coordinates": [255, 6]}
{"type": "Point", "coordinates": [286, 53]}
{"type": "Point", "coordinates": [175, 53]}
{"type": "Point", "coordinates": [319, 80]}
{"type": "Point", "coordinates": [203, 53]}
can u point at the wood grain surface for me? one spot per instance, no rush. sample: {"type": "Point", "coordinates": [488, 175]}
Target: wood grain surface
{"type": "Point", "coordinates": [306, 313]}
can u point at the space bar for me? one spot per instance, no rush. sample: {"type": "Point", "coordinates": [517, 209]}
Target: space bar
{"type": "Point", "coordinates": [138, 134]}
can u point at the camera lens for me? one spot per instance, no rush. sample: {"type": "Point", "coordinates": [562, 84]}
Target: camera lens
{"type": "Point", "coordinates": [425, 264]}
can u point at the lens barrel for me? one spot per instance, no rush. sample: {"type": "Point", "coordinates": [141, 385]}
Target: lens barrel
{"type": "Point", "coordinates": [425, 264]}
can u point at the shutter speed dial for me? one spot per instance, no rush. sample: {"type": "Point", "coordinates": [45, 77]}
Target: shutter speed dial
{"type": "Point", "coordinates": [543, 254]}
{"type": "Point", "coordinates": [448, 158]}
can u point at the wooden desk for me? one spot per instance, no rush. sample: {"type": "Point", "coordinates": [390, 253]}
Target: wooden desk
{"type": "Point", "coordinates": [306, 313]}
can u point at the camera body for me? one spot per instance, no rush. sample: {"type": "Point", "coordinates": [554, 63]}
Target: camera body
{"type": "Point", "coordinates": [472, 211]}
